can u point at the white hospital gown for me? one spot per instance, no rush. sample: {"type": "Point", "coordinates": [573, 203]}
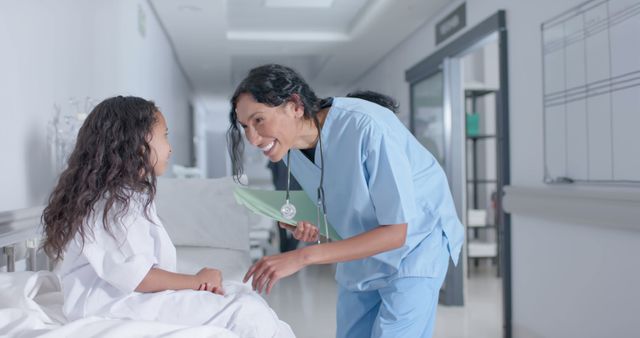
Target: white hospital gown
{"type": "Point", "coordinates": [100, 277]}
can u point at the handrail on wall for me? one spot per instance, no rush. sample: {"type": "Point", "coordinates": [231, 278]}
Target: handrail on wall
{"type": "Point", "coordinates": [611, 207]}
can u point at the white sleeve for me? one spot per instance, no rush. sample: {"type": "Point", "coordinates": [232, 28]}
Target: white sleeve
{"type": "Point", "coordinates": [125, 260]}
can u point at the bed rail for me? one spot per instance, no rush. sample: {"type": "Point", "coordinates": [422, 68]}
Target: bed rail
{"type": "Point", "coordinates": [17, 227]}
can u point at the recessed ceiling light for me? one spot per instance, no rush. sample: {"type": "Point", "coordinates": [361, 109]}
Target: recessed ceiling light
{"type": "Point", "coordinates": [298, 3]}
{"type": "Point", "coordinates": [189, 8]}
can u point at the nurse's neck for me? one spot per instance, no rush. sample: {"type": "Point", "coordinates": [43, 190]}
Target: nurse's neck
{"type": "Point", "coordinates": [309, 135]}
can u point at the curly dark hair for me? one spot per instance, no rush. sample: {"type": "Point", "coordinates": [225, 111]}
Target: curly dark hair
{"type": "Point", "coordinates": [110, 163]}
{"type": "Point", "coordinates": [272, 85]}
{"type": "Point", "coordinates": [377, 98]}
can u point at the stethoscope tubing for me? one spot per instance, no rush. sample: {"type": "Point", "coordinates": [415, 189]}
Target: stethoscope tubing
{"type": "Point", "coordinates": [320, 200]}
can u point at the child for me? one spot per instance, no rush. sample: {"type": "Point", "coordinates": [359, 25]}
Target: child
{"type": "Point", "coordinates": [119, 261]}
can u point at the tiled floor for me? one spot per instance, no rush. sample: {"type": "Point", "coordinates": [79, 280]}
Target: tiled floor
{"type": "Point", "coordinates": [481, 317]}
{"type": "Point", "coordinates": [307, 300]}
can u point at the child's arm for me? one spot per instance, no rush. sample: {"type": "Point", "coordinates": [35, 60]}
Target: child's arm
{"type": "Point", "coordinates": [161, 280]}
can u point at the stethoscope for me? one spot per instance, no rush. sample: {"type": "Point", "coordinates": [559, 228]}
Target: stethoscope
{"type": "Point", "coordinates": [288, 210]}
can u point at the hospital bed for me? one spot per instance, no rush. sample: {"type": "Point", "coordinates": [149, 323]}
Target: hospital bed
{"type": "Point", "coordinates": [203, 220]}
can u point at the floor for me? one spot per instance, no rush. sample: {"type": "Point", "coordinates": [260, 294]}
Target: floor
{"type": "Point", "coordinates": [307, 300]}
{"type": "Point", "coordinates": [481, 316]}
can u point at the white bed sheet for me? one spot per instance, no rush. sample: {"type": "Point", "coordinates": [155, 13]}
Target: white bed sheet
{"type": "Point", "coordinates": [31, 306]}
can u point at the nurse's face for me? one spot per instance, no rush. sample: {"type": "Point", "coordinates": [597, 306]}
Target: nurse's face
{"type": "Point", "coordinates": [272, 129]}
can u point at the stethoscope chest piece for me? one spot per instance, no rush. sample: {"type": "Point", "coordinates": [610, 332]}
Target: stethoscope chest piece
{"type": "Point", "coordinates": [288, 210]}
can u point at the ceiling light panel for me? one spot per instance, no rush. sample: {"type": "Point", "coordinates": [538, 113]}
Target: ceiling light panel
{"type": "Point", "coordinates": [298, 3]}
{"type": "Point", "coordinates": [253, 16]}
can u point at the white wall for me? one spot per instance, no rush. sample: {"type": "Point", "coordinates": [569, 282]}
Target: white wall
{"type": "Point", "coordinates": [569, 279]}
{"type": "Point", "coordinates": [216, 123]}
{"type": "Point", "coordinates": [52, 50]}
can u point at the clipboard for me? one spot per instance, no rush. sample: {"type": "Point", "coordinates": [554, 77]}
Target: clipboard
{"type": "Point", "coordinates": [268, 202]}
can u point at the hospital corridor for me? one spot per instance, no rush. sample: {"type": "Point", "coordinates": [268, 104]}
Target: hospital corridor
{"type": "Point", "coordinates": [320, 168]}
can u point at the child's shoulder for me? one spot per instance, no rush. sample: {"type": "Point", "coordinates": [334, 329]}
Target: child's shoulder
{"type": "Point", "coordinates": [123, 210]}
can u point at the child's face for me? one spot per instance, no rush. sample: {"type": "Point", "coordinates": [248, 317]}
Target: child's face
{"type": "Point", "coordinates": [160, 147]}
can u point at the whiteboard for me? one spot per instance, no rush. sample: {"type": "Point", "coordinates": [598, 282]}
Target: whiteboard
{"type": "Point", "coordinates": [591, 93]}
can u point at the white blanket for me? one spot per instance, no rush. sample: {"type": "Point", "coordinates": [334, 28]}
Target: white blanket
{"type": "Point", "coordinates": [31, 306]}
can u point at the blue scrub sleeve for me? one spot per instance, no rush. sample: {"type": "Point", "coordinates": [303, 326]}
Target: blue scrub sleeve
{"type": "Point", "coordinates": [390, 178]}
{"type": "Point", "coordinates": [125, 260]}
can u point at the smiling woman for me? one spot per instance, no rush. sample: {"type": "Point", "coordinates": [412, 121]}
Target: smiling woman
{"type": "Point", "coordinates": [397, 239]}
{"type": "Point", "coordinates": [274, 129]}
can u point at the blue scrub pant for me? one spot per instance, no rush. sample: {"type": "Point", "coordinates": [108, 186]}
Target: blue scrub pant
{"type": "Point", "coordinates": [406, 307]}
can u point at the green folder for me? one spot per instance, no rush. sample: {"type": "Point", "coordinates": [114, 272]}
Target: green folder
{"type": "Point", "coordinates": [268, 202]}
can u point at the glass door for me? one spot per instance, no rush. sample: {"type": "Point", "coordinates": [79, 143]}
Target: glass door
{"type": "Point", "coordinates": [437, 88]}
{"type": "Point", "coordinates": [436, 122]}
{"type": "Point", "coordinates": [427, 118]}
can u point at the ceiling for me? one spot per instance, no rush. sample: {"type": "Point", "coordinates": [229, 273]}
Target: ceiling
{"type": "Point", "coordinates": [330, 42]}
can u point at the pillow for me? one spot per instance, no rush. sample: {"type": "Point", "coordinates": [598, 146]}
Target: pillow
{"type": "Point", "coordinates": [202, 212]}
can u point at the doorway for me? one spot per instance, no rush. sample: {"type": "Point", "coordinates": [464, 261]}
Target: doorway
{"type": "Point", "coordinates": [459, 111]}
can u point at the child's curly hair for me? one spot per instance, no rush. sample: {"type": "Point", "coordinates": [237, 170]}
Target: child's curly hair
{"type": "Point", "coordinates": [110, 161]}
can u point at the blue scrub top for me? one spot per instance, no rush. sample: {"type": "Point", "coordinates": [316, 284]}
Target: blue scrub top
{"type": "Point", "coordinates": [377, 173]}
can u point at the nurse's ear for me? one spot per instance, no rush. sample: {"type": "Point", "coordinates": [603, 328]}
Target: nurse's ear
{"type": "Point", "coordinates": [296, 105]}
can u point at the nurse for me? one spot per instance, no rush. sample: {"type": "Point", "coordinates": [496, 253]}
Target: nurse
{"type": "Point", "coordinates": [384, 194]}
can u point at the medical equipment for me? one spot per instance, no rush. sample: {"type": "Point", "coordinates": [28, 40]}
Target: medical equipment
{"type": "Point", "coordinates": [288, 210]}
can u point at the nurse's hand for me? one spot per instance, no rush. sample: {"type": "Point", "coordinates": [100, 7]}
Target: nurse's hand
{"type": "Point", "coordinates": [304, 231]}
{"type": "Point", "coordinates": [270, 269]}
{"type": "Point", "coordinates": [210, 280]}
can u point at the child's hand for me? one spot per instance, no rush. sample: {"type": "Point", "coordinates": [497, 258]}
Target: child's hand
{"type": "Point", "coordinates": [210, 280]}
{"type": "Point", "coordinates": [207, 287]}
{"type": "Point", "coordinates": [304, 231]}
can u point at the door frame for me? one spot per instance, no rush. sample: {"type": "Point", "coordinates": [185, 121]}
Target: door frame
{"type": "Point", "coordinates": [434, 63]}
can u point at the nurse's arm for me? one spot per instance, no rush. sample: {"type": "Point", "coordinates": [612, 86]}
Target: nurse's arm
{"type": "Point", "coordinates": [375, 241]}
